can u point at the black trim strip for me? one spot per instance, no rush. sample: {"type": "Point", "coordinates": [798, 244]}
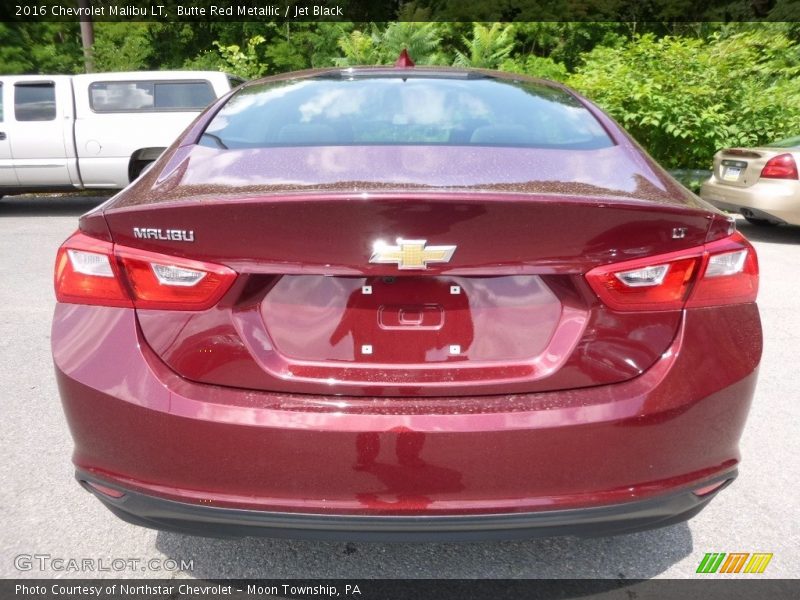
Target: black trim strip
{"type": "Point", "coordinates": [195, 519]}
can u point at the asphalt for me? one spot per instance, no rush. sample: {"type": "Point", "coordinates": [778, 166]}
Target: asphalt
{"type": "Point", "coordinates": [46, 513]}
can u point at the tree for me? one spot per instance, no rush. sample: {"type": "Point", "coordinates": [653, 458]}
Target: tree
{"type": "Point", "coordinates": [40, 47]}
{"type": "Point", "coordinates": [358, 48]}
{"type": "Point", "coordinates": [488, 47]}
{"type": "Point", "coordinates": [243, 62]}
{"type": "Point", "coordinates": [122, 46]}
{"type": "Point", "coordinates": [382, 44]}
{"type": "Point", "coordinates": [294, 46]}
{"type": "Point", "coordinates": [422, 40]}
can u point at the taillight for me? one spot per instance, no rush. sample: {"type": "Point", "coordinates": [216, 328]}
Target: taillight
{"type": "Point", "coordinates": [729, 274]}
{"type": "Point", "coordinates": [660, 283]}
{"type": "Point", "coordinates": [159, 281]}
{"type": "Point", "coordinates": [86, 273]}
{"type": "Point", "coordinates": [90, 271]}
{"type": "Point", "coordinates": [782, 166]}
{"type": "Point", "coordinates": [721, 272]}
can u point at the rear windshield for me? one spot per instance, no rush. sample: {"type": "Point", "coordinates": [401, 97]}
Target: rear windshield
{"type": "Point", "coordinates": [411, 111]}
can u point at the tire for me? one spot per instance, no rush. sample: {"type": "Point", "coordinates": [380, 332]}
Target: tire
{"type": "Point", "coordinates": [760, 222]}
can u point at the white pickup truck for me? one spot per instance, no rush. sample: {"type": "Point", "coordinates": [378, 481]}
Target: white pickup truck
{"type": "Point", "coordinates": [66, 132]}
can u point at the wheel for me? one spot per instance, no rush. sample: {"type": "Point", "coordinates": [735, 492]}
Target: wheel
{"type": "Point", "coordinates": [760, 222]}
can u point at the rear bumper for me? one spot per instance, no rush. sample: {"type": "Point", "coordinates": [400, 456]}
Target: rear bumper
{"type": "Point", "coordinates": [540, 461]}
{"type": "Point", "coordinates": [774, 200]}
{"type": "Point", "coordinates": [193, 519]}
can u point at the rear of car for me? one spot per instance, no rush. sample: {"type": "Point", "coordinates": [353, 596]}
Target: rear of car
{"type": "Point", "coordinates": [760, 183]}
{"type": "Point", "coordinates": [405, 304]}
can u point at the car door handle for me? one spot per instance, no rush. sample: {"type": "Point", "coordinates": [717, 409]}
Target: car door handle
{"type": "Point", "coordinates": [2, 135]}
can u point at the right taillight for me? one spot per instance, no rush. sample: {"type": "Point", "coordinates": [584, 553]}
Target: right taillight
{"type": "Point", "coordinates": [782, 166]}
{"type": "Point", "coordinates": [90, 271]}
{"type": "Point", "coordinates": [721, 272]}
{"type": "Point", "coordinates": [729, 274]}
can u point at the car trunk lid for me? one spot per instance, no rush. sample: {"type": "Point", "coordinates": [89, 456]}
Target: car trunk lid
{"type": "Point", "coordinates": [510, 312]}
{"type": "Point", "coordinates": [741, 167]}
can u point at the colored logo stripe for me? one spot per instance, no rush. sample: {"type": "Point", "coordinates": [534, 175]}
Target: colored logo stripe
{"type": "Point", "coordinates": [734, 563]}
{"type": "Point", "coordinates": [758, 563]}
{"type": "Point", "coordinates": [710, 562]}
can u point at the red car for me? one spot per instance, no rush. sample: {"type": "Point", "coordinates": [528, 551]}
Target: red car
{"type": "Point", "coordinates": [405, 303]}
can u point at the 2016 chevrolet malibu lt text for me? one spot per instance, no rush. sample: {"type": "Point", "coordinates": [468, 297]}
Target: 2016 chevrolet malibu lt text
{"type": "Point", "coordinates": [405, 303]}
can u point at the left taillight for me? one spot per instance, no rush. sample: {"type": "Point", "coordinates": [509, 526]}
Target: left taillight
{"type": "Point", "coordinates": [721, 272]}
{"type": "Point", "coordinates": [91, 271]}
{"type": "Point", "coordinates": [86, 273]}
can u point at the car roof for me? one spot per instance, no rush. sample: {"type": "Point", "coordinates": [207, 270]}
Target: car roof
{"type": "Point", "coordinates": [34, 78]}
{"type": "Point", "coordinates": [121, 76]}
{"type": "Point", "coordinates": [149, 75]}
{"type": "Point", "coordinates": [405, 72]}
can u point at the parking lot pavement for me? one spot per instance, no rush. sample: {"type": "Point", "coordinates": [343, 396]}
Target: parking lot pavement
{"type": "Point", "coordinates": [46, 513]}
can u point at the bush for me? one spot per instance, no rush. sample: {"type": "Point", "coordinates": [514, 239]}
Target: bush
{"type": "Point", "coordinates": [685, 98]}
{"type": "Point", "coordinates": [536, 66]}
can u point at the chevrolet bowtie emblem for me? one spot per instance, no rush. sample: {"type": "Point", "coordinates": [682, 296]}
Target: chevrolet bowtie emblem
{"type": "Point", "coordinates": [410, 254]}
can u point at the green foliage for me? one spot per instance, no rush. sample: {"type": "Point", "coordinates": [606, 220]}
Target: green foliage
{"type": "Point", "coordinates": [422, 40]}
{"type": "Point", "coordinates": [14, 58]}
{"type": "Point", "coordinates": [295, 46]}
{"type": "Point", "coordinates": [567, 42]}
{"type": "Point", "coordinates": [233, 59]}
{"type": "Point", "coordinates": [488, 47]}
{"type": "Point", "coordinates": [536, 66]}
{"type": "Point", "coordinates": [358, 48]}
{"type": "Point", "coordinates": [383, 46]}
{"type": "Point", "coordinates": [121, 46]}
{"type": "Point", "coordinates": [242, 61]}
{"type": "Point", "coordinates": [40, 47]}
{"type": "Point", "coordinates": [685, 98]}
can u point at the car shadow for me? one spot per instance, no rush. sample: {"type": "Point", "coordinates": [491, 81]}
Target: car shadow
{"type": "Point", "coordinates": [625, 557]}
{"type": "Point", "coordinates": [778, 234]}
{"type": "Point", "coordinates": [50, 205]}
